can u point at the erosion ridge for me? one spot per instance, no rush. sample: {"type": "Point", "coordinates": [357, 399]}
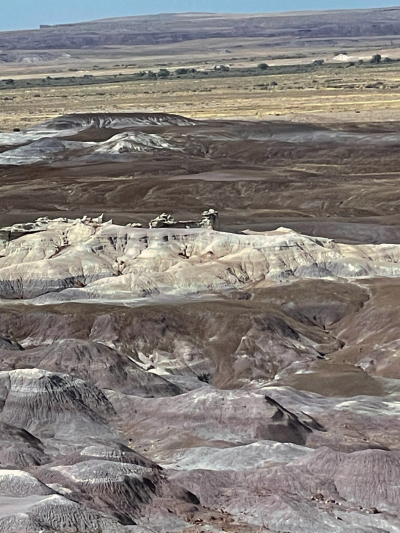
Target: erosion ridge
{"type": "Point", "coordinates": [83, 259]}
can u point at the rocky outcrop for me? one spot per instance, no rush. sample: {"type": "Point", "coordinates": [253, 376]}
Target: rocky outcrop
{"type": "Point", "coordinates": [210, 219]}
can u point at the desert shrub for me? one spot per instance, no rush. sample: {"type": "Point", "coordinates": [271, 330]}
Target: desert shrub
{"type": "Point", "coordinates": [377, 58]}
{"type": "Point", "coordinates": [163, 73]}
{"type": "Point", "coordinates": [375, 85]}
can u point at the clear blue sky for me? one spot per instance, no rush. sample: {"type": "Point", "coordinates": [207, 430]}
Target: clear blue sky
{"type": "Point", "coordinates": [22, 14]}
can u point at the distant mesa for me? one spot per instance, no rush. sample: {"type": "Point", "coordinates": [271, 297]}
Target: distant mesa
{"type": "Point", "coordinates": [178, 27]}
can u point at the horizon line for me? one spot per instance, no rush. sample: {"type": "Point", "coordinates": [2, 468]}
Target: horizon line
{"type": "Point", "coordinates": [238, 13]}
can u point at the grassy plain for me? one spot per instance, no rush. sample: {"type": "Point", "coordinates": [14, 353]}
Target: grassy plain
{"type": "Point", "coordinates": [65, 69]}
{"type": "Point", "coordinates": [357, 93]}
{"type": "Point", "coordinates": [92, 66]}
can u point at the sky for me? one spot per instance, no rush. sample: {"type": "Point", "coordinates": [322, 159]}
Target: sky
{"type": "Point", "coordinates": [26, 14]}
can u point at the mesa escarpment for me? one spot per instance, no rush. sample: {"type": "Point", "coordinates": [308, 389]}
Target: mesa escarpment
{"type": "Point", "coordinates": [217, 351]}
{"type": "Point", "coordinates": [176, 28]}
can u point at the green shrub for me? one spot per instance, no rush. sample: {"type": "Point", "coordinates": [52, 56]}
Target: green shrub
{"type": "Point", "coordinates": [377, 58]}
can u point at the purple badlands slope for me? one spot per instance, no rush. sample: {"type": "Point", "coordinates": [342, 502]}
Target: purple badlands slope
{"type": "Point", "coordinates": [230, 367]}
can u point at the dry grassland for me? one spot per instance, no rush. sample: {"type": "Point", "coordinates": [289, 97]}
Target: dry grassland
{"type": "Point", "coordinates": [353, 94]}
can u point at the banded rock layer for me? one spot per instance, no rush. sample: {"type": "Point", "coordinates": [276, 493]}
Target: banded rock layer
{"type": "Point", "coordinates": [91, 260]}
